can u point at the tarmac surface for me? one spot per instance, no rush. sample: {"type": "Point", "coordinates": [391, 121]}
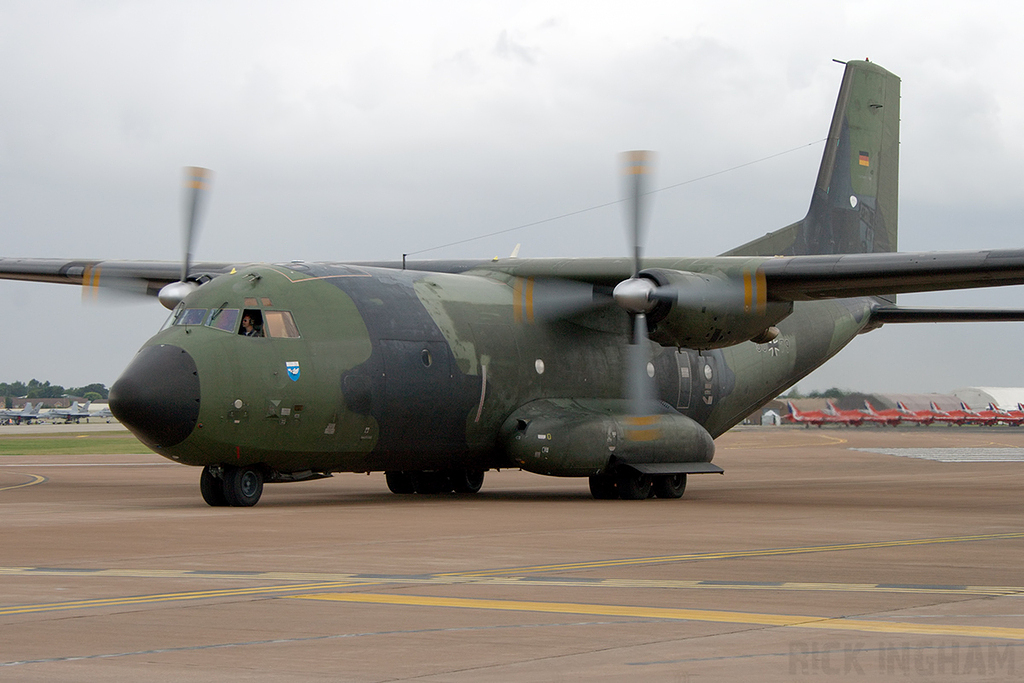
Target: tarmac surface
{"type": "Point", "coordinates": [808, 560]}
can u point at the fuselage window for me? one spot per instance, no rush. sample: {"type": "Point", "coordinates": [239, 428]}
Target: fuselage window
{"type": "Point", "coordinates": [252, 323]}
{"type": "Point", "coordinates": [191, 316]}
{"type": "Point", "coordinates": [223, 319]}
{"type": "Point", "coordinates": [280, 324]}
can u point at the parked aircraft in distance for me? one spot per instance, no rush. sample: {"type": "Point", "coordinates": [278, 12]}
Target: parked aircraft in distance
{"type": "Point", "coordinates": [816, 418]}
{"type": "Point", "coordinates": [957, 417]}
{"type": "Point", "coordinates": [103, 413]}
{"type": "Point", "coordinates": [26, 414]}
{"type": "Point", "coordinates": [854, 418]}
{"type": "Point", "coordinates": [73, 414]}
{"type": "Point", "coordinates": [623, 370]}
{"type": "Point", "coordinates": [894, 416]}
{"type": "Point", "coordinates": [992, 415]}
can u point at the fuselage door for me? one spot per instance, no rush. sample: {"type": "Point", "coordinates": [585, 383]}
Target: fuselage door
{"type": "Point", "coordinates": [417, 395]}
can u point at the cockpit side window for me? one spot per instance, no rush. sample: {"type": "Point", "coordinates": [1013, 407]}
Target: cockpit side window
{"type": "Point", "coordinates": [280, 324]}
{"type": "Point", "coordinates": [252, 323]}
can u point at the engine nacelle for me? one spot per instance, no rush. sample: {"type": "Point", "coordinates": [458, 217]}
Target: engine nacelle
{"type": "Point", "coordinates": [584, 437]}
{"type": "Point", "coordinates": [711, 311]}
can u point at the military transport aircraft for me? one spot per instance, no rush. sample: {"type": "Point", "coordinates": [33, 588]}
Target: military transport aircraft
{"type": "Point", "coordinates": [433, 372]}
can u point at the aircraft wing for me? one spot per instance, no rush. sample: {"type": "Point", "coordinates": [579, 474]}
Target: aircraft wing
{"type": "Point", "coordinates": [804, 278]}
{"type": "Point", "coordinates": [786, 278]}
{"type": "Point", "coordinates": [145, 277]}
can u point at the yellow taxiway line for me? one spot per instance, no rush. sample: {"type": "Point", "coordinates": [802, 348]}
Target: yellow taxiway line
{"type": "Point", "coordinates": [36, 479]}
{"type": "Point", "coordinates": [765, 552]}
{"type": "Point", "coordinates": [668, 613]}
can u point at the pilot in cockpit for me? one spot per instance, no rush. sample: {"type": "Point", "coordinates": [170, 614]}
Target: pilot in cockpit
{"type": "Point", "coordinates": [250, 326]}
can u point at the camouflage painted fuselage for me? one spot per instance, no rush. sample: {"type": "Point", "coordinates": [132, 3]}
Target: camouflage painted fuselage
{"type": "Point", "coordinates": [405, 370]}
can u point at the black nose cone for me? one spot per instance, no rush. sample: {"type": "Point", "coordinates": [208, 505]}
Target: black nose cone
{"type": "Point", "coordinates": [157, 396]}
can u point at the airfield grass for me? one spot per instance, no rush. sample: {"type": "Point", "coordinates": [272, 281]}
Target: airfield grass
{"type": "Point", "coordinates": [70, 443]}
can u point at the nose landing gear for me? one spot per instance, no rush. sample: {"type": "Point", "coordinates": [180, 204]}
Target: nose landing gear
{"type": "Point", "coordinates": [234, 486]}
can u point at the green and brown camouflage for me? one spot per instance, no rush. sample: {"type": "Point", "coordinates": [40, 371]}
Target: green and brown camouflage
{"type": "Point", "coordinates": [437, 371]}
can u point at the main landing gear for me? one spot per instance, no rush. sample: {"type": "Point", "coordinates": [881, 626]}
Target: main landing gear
{"type": "Point", "coordinates": [234, 486]}
{"type": "Point", "coordinates": [628, 484]}
{"type": "Point", "coordinates": [440, 481]}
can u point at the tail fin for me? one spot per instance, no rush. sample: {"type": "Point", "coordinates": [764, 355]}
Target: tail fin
{"type": "Point", "coordinates": [853, 208]}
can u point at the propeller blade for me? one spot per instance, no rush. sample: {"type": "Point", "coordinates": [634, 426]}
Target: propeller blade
{"type": "Point", "coordinates": [197, 183]}
{"type": "Point", "coordinates": [106, 285]}
{"type": "Point", "coordinates": [636, 166]}
{"type": "Point", "coordinates": [549, 299]}
{"type": "Point", "coordinates": [639, 390]}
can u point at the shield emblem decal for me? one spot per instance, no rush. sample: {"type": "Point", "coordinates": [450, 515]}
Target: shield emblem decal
{"type": "Point", "coordinates": [293, 370]}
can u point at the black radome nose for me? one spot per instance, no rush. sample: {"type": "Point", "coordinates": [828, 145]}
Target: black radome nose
{"type": "Point", "coordinates": [157, 396]}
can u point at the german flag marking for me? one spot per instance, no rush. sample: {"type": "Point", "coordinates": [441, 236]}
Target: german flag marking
{"type": "Point", "coordinates": [865, 159]}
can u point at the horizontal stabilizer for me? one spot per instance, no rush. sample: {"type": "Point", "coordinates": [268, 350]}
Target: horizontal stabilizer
{"type": "Point", "coordinates": [893, 314]}
{"type": "Point", "coordinates": [675, 468]}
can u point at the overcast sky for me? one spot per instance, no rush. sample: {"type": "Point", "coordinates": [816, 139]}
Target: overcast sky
{"type": "Point", "coordinates": [354, 131]}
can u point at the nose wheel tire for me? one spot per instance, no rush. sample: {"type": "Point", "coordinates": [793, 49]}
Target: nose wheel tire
{"type": "Point", "coordinates": [212, 488]}
{"type": "Point", "coordinates": [243, 486]}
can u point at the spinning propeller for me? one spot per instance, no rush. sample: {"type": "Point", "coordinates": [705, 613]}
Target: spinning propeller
{"type": "Point", "coordinates": [633, 294]}
{"type": "Point", "coordinates": [197, 183]}
{"type": "Point", "coordinates": [120, 280]}
{"type": "Point", "coordinates": [699, 310]}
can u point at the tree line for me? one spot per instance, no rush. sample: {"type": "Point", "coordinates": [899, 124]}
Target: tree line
{"type": "Point", "coordinates": [36, 389]}
{"type": "Point", "coordinates": [834, 392]}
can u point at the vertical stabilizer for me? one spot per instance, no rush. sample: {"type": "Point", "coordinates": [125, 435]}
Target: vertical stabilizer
{"type": "Point", "coordinates": [854, 205]}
